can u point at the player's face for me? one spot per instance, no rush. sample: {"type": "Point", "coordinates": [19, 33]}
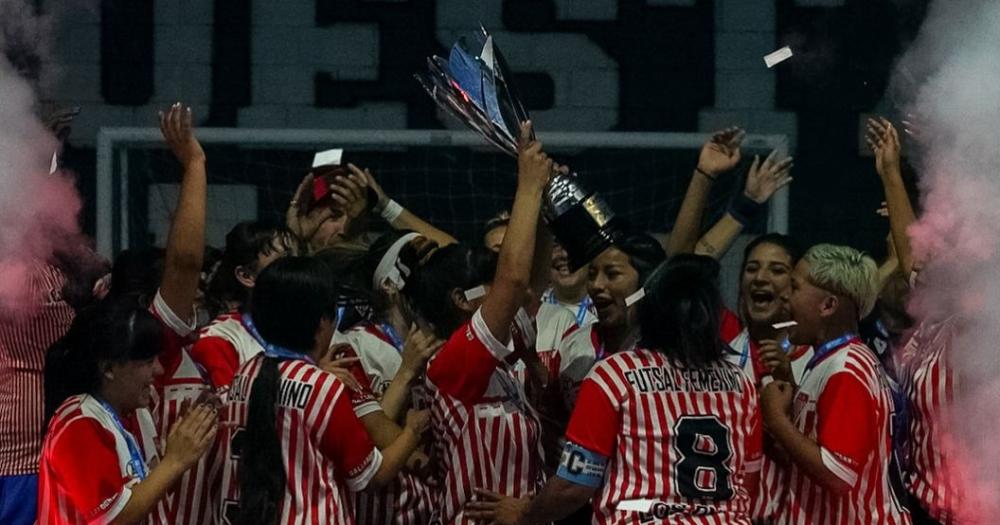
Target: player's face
{"type": "Point", "coordinates": [765, 284]}
{"type": "Point", "coordinates": [805, 303]}
{"type": "Point", "coordinates": [332, 231]}
{"type": "Point", "coordinates": [612, 278]}
{"type": "Point", "coordinates": [130, 383]}
{"type": "Point", "coordinates": [494, 238]}
{"type": "Point", "coordinates": [561, 277]}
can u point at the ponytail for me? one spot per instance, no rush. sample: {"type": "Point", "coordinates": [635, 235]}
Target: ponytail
{"type": "Point", "coordinates": [262, 473]}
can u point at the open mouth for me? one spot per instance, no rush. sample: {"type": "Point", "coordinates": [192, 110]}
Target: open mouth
{"type": "Point", "coordinates": [561, 265]}
{"type": "Point", "coordinates": [602, 303]}
{"type": "Point", "coordinates": [761, 299]}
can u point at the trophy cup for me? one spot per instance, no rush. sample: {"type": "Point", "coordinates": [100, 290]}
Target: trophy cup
{"type": "Point", "coordinates": [478, 91]}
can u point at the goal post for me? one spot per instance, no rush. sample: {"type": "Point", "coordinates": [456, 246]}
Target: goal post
{"type": "Point", "coordinates": [643, 176]}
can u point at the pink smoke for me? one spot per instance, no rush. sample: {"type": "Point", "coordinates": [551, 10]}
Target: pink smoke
{"type": "Point", "coordinates": [952, 76]}
{"type": "Point", "coordinates": [38, 211]}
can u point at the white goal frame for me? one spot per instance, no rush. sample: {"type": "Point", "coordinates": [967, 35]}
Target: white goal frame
{"type": "Point", "coordinates": [110, 202]}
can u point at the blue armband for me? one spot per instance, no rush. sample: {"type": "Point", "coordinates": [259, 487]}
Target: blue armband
{"type": "Point", "coordinates": [581, 466]}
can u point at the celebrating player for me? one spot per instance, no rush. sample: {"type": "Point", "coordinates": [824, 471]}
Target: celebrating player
{"type": "Point", "coordinates": [835, 427]}
{"type": "Point", "coordinates": [485, 432]}
{"type": "Point", "coordinates": [100, 462]}
{"type": "Point", "coordinates": [294, 447]}
{"type": "Point", "coordinates": [665, 430]}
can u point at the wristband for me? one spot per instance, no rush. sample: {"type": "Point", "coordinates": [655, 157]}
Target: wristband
{"type": "Point", "coordinates": [712, 178]}
{"type": "Point", "coordinates": [391, 211]}
{"type": "Point", "coordinates": [744, 209]}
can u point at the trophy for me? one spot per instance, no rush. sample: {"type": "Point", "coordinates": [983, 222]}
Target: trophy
{"type": "Point", "coordinates": [478, 91]}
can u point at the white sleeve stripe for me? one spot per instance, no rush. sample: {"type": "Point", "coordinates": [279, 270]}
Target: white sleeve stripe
{"type": "Point", "coordinates": [121, 500]}
{"type": "Point", "coordinates": [837, 468]}
{"type": "Point", "coordinates": [361, 481]}
{"type": "Point", "coordinates": [482, 332]}
{"type": "Point", "coordinates": [366, 408]}
{"type": "Point", "coordinates": [170, 318]}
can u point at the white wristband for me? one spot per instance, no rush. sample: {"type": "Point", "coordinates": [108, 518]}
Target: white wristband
{"type": "Point", "coordinates": [391, 211]}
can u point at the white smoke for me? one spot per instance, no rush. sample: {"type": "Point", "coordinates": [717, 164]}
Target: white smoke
{"type": "Point", "coordinates": [952, 76]}
{"type": "Point", "coordinates": [38, 211]}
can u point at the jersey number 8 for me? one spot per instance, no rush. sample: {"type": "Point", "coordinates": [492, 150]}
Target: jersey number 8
{"type": "Point", "coordinates": [703, 448]}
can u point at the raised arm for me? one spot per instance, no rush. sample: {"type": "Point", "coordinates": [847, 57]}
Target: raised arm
{"type": "Point", "coordinates": [884, 142]}
{"type": "Point", "coordinates": [720, 154]}
{"type": "Point", "coordinates": [396, 215]}
{"type": "Point", "coordinates": [510, 287]}
{"type": "Point", "coordinates": [186, 240]}
{"type": "Point", "coordinates": [763, 180]}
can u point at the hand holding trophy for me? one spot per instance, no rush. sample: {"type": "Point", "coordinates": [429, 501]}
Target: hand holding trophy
{"type": "Point", "coordinates": [477, 90]}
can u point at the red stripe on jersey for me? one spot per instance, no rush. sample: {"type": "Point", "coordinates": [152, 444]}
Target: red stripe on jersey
{"type": "Point", "coordinates": [324, 447]}
{"type": "Point", "coordinates": [493, 445]}
{"type": "Point", "coordinates": [682, 438]}
{"type": "Point", "coordinates": [843, 404]}
{"type": "Point", "coordinates": [24, 339]}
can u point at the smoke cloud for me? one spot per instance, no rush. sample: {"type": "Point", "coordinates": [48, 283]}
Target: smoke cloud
{"type": "Point", "coordinates": [38, 211]}
{"type": "Point", "coordinates": [951, 78]}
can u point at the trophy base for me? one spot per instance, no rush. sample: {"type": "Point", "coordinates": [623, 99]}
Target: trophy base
{"type": "Point", "coordinates": [585, 230]}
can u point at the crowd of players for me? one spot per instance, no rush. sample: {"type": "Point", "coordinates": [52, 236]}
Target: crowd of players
{"type": "Point", "coordinates": [318, 372]}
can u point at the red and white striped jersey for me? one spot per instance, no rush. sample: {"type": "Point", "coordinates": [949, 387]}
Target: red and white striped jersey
{"type": "Point", "coordinates": [86, 472]}
{"type": "Point", "coordinates": [24, 339]}
{"type": "Point", "coordinates": [324, 446]}
{"type": "Point", "coordinates": [222, 346]}
{"type": "Point", "coordinates": [193, 500]}
{"type": "Point", "coordinates": [843, 403]}
{"type": "Point", "coordinates": [765, 504]}
{"type": "Point", "coordinates": [552, 322]}
{"type": "Point", "coordinates": [682, 441]}
{"type": "Point", "coordinates": [408, 500]}
{"type": "Point", "coordinates": [486, 435]}
{"type": "Point", "coordinates": [930, 384]}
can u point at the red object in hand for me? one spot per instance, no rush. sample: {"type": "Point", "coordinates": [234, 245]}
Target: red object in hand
{"type": "Point", "coordinates": [321, 184]}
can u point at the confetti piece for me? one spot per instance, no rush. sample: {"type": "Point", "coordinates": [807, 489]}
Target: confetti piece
{"type": "Point", "coordinates": [330, 157]}
{"type": "Point", "coordinates": [786, 324]}
{"type": "Point", "coordinates": [778, 56]}
{"type": "Point", "coordinates": [475, 293]}
{"type": "Point", "coordinates": [636, 505]}
{"type": "Point", "coordinates": [634, 298]}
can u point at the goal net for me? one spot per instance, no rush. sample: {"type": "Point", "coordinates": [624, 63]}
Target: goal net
{"type": "Point", "coordinates": [446, 177]}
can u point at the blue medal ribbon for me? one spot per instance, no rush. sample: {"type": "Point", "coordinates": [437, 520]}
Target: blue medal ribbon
{"type": "Point", "coordinates": [393, 336]}
{"type": "Point", "coordinates": [137, 462]}
{"type": "Point", "coordinates": [828, 347]}
{"type": "Point", "coordinates": [581, 312]}
{"type": "Point", "coordinates": [270, 350]}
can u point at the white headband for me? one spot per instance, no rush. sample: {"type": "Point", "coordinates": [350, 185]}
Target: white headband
{"type": "Point", "coordinates": [390, 268]}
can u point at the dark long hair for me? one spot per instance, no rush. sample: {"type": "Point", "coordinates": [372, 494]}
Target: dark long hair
{"type": "Point", "coordinates": [644, 252]}
{"type": "Point", "coordinates": [114, 330]}
{"type": "Point", "coordinates": [291, 297]}
{"type": "Point", "coordinates": [682, 311]}
{"type": "Point", "coordinates": [244, 243]}
{"type": "Point", "coordinates": [456, 266]}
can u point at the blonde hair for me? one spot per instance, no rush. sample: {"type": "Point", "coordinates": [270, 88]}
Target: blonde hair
{"type": "Point", "coordinates": [845, 271]}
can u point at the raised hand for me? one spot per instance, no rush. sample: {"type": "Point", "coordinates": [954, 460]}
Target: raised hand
{"type": "Point", "coordinates": [178, 132]}
{"type": "Point", "coordinates": [418, 348]}
{"type": "Point", "coordinates": [534, 167]}
{"type": "Point", "coordinates": [776, 360]}
{"type": "Point", "coordinates": [370, 181]}
{"type": "Point", "coordinates": [766, 178]}
{"type": "Point", "coordinates": [884, 142]}
{"type": "Point", "coordinates": [191, 436]}
{"type": "Point", "coordinates": [305, 224]}
{"type": "Point", "coordinates": [722, 151]}
{"type": "Point", "coordinates": [350, 193]}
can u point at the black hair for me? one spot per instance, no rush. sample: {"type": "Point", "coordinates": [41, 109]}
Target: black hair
{"type": "Point", "coordinates": [456, 266]}
{"type": "Point", "coordinates": [644, 252]}
{"type": "Point", "coordinates": [291, 297]}
{"type": "Point", "coordinates": [681, 314]}
{"type": "Point", "coordinates": [786, 242]}
{"type": "Point", "coordinates": [502, 218]}
{"type": "Point", "coordinates": [707, 266]}
{"type": "Point", "coordinates": [137, 273]}
{"type": "Point", "coordinates": [113, 330]}
{"type": "Point", "coordinates": [244, 243]}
